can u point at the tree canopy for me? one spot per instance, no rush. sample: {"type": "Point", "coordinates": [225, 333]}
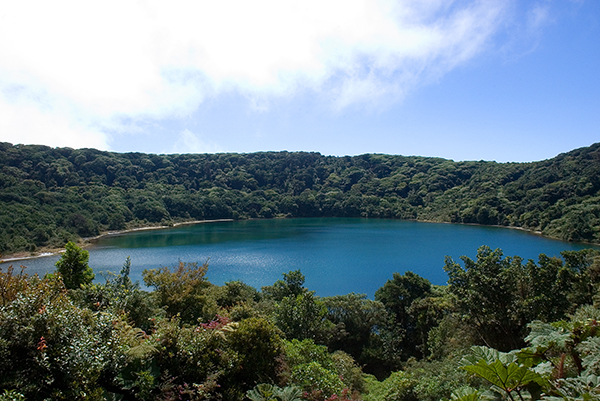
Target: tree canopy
{"type": "Point", "coordinates": [49, 196]}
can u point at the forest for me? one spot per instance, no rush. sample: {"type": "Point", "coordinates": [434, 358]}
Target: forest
{"type": "Point", "coordinates": [502, 328]}
{"type": "Point", "coordinates": [49, 196]}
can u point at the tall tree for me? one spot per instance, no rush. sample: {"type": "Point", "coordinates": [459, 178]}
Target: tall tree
{"type": "Point", "coordinates": [486, 291]}
{"type": "Point", "coordinates": [292, 285]}
{"type": "Point", "coordinates": [356, 319]}
{"type": "Point", "coordinates": [400, 334]}
{"type": "Point", "coordinates": [73, 266]}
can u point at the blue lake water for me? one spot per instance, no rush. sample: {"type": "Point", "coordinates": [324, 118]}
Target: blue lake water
{"type": "Point", "coordinates": [337, 256]}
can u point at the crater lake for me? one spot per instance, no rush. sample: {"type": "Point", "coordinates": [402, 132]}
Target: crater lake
{"type": "Point", "coordinates": [337, 255]}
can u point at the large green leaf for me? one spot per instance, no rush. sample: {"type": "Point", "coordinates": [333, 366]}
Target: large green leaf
{"type": "Point", "coordinates": [466, 394]}
{"type": "Point", "coordinates": [478, 353]}
{"type": "Point", "coordinates": [531, 357]}
{"type": "Point", "coordinates": [591, 349]}
{"type": "Point", "coordinates": [579, 388]}
{"type": "Point", "coordinates": [506, 378]}
{"type": "Point", "coordinates": [546, 335]}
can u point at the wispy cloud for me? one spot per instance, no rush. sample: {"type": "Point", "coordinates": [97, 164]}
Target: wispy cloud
{"type": "Point", "coordinates": [538, 17]}
{"type": "Point", "coordinates": [188, 142]}
{"type": "Point", "coordinates": [73, 71]}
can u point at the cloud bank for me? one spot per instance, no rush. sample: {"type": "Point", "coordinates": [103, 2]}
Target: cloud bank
{"type": "Point", "coordinates": [72, 72]}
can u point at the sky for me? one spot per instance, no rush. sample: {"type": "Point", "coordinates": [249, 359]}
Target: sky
{"type": "Point", "coordinates": [503, 80]}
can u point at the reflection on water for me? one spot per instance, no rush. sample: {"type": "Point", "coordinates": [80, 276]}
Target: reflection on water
{"type": "Point", "coordinates": [337, 256]}
{"type": "Point", "coordinates": [208, 233]}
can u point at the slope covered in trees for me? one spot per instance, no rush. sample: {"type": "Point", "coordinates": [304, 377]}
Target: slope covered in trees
{"type": "Point", "coordinates": [49, 196]}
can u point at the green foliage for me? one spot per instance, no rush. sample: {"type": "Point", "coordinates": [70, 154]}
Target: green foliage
{"type": "Point", "coordinates": [268, 392]}
{"type": "Point", "coordinates": [486, 291]}
{"type": "Point", "coordinates": [259, 346]}
{"type": "Point", "coordinates": [11, 285]}
{"type": "Point", "coordinates": [404, 334]}
{"type": "Point", "coordinates": [420, 380]}
{"type": "Point", "coordinates": [11, 395]}
{"type": "Point", "coordinates": [437, 379]}
{"type": "Point", "coordinates": [560, 363]}
{"type": "Point", "coordinates": [398, 387]}
{"type": "Point", "coordinates": [506, 377]}
{"type": "Point", "coordinates": [292, 285]}
{"type": "Point", "coordinates": [466, 394]}
{"type": "Point", "coordinates": [51, 196]}
{"type": "Point", "coordinates": [577, 388]}
{"type": "Point", "coordinates": [313, 378]}
{"type": "Point", "coordinates": [49, 348]}
{"type": "Point", "coordinates": [183, 291]}
{"type": "Point", "coordinates": [584, 269]}
{"type": "Point", "coordinates": [355, 318]}
{"type": "Point", "coordinates": [220, 359]}
{"type": "Point", "coordinates": [120, 296]}
{"type": "Point", "coordinates": [302, 352]}
{"type": "Point", "coordinates": [450, 337]}
{"type": "Point", "coordinates": [499, 295]}
{"type": "Point", "coordinates": [303, 317]}
{"type": "Point", "coordinates": [564, 348]}
{"type": "Point", "coordinates": [320, 373]}
{"type": "Point", "coordinates": [113, 341]}
{"type": "Point", "coordinates": [348, 370]}
{"type": "Point", "coordinates": [73, 266]}
{"type": "Point", "coordinates": [174, 362]}
{"type": "Point", "coordinates": [262, 392]}
{"type": "Point", "coordinates": [236, 292]}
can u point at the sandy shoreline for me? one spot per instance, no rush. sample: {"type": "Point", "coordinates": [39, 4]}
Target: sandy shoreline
{"type": "Point", "coordinates": [120, 232]}
{"type": "Point", "coordinates": [85, 242]}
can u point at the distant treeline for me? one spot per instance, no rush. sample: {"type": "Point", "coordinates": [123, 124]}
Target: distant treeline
{"type": "Point", "coordinates": [49, 196]}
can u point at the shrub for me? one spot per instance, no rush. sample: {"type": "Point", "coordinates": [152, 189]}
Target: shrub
{"type": "Point", "coordinates": [49, 348]}
{"type": "Point", "coordinates": [182, 291]}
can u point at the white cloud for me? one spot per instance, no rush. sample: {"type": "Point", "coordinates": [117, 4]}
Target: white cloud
{"type": "Point", "coordinates": [537, 18]}
{"type": "Point", "coordinates": [36, 122]}
{"type": "Point", "coordinates": [82, 67]}
{"type": "Point", "coordinates": [188, 142]}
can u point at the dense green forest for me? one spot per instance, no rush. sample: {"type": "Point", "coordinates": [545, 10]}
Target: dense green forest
{"type": "Point", "coordinates": [49, 196]}
{"type": "Point", "coordinates": [503, 328]}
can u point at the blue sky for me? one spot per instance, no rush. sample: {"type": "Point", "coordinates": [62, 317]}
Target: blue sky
{"type": "Point", "coordinates": [465, 80]}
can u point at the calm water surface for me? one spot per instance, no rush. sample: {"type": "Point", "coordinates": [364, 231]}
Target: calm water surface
{"type": "Point", "coordinates": [337, 256]}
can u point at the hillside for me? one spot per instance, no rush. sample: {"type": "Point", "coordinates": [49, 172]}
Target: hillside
{"type": "Point", "coordinates": [51, 195]}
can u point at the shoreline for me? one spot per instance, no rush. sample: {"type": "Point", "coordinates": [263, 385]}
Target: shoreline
{"type": "Point", "coordinates": [85, 242]}
{"type": "Point", "coordinates": [498, 226]}
{"type": "Point", "coordinates": [88, 240]}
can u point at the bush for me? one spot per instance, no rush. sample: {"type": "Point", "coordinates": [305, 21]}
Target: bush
{"type": "Point", "coordinates": [182, 292]}
{"type": "Point", "coordinates": [49, 348]}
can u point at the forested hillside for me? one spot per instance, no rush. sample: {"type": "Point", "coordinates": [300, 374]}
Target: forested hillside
{"type": "Point", "coordinates": [51, 195]}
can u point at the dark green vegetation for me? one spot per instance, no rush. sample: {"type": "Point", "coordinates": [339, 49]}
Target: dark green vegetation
{"type": "Point", "coordinates": [73, 267]}
{"type": "Point", "coordinates": [51, 196]}
{"type": "Point", "coordinates": [191, 340]}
